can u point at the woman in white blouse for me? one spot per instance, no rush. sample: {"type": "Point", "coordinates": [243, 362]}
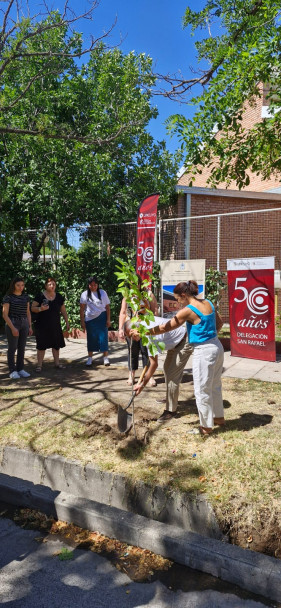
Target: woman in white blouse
{"type": "Point", "coordinates": [95, 319]}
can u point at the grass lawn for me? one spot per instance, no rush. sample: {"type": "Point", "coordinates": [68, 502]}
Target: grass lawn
{"type": "Point", "coordinates": [73, 412]}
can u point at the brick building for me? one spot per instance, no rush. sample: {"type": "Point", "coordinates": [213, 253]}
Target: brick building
{"type": "Point", "coordinates": [239, 234]}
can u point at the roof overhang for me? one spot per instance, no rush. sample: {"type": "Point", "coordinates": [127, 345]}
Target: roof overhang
{"type": "Point", "coordinates": [262, 196]}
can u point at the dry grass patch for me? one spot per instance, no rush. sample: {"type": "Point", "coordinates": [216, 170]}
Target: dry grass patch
{"type": "Point", "coordinates": [74, 413]}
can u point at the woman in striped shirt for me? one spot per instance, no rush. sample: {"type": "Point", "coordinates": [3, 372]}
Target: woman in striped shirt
{"type": "Point", "coordinates": [16, 314]}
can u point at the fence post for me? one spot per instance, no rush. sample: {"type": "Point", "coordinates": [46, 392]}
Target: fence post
{"type": "Point", "coordinates": [159, 239]}
{"type": "Point", "coordinates": [218, 241]}
{"type": "Point", "coordinates": [155, 243]}
{"type": "Point", "coordinates": [187, 226]}
{"type": "Point", "coordinates": [58, 245]}
{"type": "Point", "coordinates": [102, 237]}
{"type": "Point", "coordinates": [55, 244]}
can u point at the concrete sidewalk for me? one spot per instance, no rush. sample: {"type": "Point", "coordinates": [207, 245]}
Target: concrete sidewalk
{"type": "Point", "coordinates": [234, 367]}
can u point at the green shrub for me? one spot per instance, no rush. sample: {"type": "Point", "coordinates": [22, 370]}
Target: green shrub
{"type": "Point", "coordinates": [71, 275]}
{"type": "Point", "coordinates": [214, 285]}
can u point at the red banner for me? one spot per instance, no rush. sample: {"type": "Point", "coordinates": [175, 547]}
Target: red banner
{"type": "Point", "coordinates": [147, 217]}
{"type": "Point", "coordinates": [251, 308]}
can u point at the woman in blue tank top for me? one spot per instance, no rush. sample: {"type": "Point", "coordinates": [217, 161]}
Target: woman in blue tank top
{"type": "Point", "coordinates": [203, 322]}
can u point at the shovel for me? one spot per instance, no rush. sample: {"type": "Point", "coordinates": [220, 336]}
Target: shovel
{"type": "Point", "coordinates": [124, 419]}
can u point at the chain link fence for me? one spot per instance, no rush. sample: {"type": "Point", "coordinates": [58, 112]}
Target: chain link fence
{"type": "Point", "coordinates": [214, 238]}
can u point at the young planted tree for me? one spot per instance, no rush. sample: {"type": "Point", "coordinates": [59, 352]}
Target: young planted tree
{"type": "Point", "coordinates": [128, 286]}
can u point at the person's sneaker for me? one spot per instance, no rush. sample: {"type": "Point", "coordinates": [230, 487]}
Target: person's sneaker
{"type": "Point", "coordinates": [89, 361]}
{"type": "Point", "coordinates": [166, 416]}
{"type": "Point", "coordinates": [14, 375]}
{"type": "Point", "coordinates": [106, 361]}
{"type": "Point", "coordinates": [23, 374]}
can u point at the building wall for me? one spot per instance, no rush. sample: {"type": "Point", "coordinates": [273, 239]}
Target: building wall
{"type": "Point", "coordinates": [251, 235]}
{"type": "Point", "coordinates": [252, 115]}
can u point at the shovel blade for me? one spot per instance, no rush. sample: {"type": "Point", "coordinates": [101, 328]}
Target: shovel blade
{"type": "Point", "coordinates": [124, 420]}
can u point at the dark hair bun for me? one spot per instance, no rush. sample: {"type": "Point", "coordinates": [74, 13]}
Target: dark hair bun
{"type": "Point", "coordinates": [190, 288]}
{"type": "Point", "coordinates": [193, 288]}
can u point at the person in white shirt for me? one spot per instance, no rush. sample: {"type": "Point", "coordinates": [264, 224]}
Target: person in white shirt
{"type": "Point", "coordinates": [178, 352]}
{"type": "Point", "coordinates": [95, 319]}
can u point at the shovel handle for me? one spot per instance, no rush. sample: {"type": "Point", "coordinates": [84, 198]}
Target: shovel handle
{"type": "Point", "coordinates": [134, 393]}
{"type": "Point", "coordinates": [143, 373]}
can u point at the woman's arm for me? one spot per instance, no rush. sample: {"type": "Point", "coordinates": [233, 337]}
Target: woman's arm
{"type": "Point", "coordinates": [219, 322]}
{"type": "Point", "coordinates": [179, 319]}
{"type": "Point", "coordinates": [152, 368]}
{"type": "Point", "coordinates": [35, 307]}
{"type": "Point", "coordinates": [108, 322]}
{"type": "Point", "coordinates": [122, 317]}
{"type": "Point", "coordinates": [29, 319]}
{"type": "Point", "coordinates": [153, 304]}
{"type": "Point", "coordinates": [82, 315]}
{"type": "Point", "coordinates": [5, 314]}
{"type": "Point", "coordinates": [64, 314]}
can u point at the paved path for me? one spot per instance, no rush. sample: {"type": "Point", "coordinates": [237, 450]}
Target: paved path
{"type": "Point", "coordinates": [234, 367]}
{"type": "Point", "coordinates": [32, 576]}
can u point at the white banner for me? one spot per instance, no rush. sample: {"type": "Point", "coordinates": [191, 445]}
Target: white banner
{"type": "Point", "coordinates": [251, 263]}
{"type": "Point", "coordinates": [177, 271]}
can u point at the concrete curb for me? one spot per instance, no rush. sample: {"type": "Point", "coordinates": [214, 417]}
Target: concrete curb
{"type": "Point", "coordinates": [191, 513]}
{"type": "Point", "coordinates": [252, 571]}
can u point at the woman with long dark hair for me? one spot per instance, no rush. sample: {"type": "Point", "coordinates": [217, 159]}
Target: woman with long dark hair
{"type": "Point", "coordinates": [17, 317]}
{"type": "Point", "coordinates": [95, 319]}
{"type": "Point", "coordinates": [48, 307]}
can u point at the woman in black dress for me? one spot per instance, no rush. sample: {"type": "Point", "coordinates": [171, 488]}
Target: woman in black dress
{"type": "Point", "coordinates": [48, 307]}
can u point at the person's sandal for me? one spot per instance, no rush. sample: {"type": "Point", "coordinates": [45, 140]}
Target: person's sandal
{"type": "Point", "coordinates": [204, 431]}
{"type": "Point", "coordinates": [200, 431]}
{"type": "Point", "coordinates": [219, 421]}
{"type": "Point", "coordinates": [38, 368]}
{"type": "Point", "coordinates": [152, 382]}
{"type": "Point", "coordinates": [166, 416]}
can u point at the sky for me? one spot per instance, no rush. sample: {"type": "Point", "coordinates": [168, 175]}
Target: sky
{"type": "Point", "coordinates": [153, 27]}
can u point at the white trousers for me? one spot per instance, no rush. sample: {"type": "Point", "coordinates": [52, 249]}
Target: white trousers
{"type": "Point", "coordinates": [207, 371]}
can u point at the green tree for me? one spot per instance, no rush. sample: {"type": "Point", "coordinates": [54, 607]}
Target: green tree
{"type": "Point", "coordinates": [93, 160]}
{"type": "Point", "coordinates": [36, 50]}
{"type": "Point", "coordinates": [240, 53]}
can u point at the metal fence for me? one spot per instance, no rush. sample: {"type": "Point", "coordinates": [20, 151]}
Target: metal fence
{"type": "Point", "coordinates": [214, 237]}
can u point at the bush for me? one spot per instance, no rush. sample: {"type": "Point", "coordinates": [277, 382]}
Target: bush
{"type": "Point", "coordinates": [71, 275]}
{"type": "Point", "coordinates": [214, 285]}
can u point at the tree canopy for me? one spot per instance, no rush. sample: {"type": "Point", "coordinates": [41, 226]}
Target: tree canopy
{"type": "Point", "coordinates": [75, 146]}
{"type": "Point", "coordinates": [240, 55]}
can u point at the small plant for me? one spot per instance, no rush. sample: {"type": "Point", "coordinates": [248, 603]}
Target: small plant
{"type": "Point", "coordinates": [65, 554]}
{"type": "Point", "coordinates": [214, 285]}
{"type": "Point", "coordinates": [135, 297]}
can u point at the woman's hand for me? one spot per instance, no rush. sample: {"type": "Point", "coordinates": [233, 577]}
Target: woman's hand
{"type": "Point", "coordinates": [44, 307]}
{"type": "Point", "coordinates": [108, 323]}
{"type": "Point", "coordinates": [67, 325]}
{"type": "Point", "coordinates": [15, 332]}
{"type": "Point", "coordinates": [138, 388]}
{"type": "Point", "coordinates": [30, 332]}
{"type": "Point", "coordinates": [121, 334]}
{"type": "Point", "coordinates": [83, 326]}
{"type": "Point", "coordinates": [135, 335]}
